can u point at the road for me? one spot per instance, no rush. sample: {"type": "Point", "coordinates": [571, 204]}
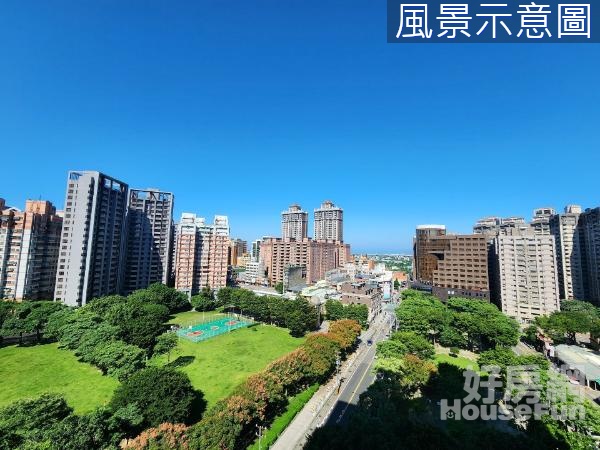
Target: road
{"type": "Point", "coordinates": [328, 405]}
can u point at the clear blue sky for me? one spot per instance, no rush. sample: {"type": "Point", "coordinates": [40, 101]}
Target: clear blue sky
{"type": "Point", "coordinates": [243, 107]}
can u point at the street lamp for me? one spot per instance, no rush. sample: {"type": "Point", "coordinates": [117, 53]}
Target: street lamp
{"type": "Point", "coordinates": [259, 434]}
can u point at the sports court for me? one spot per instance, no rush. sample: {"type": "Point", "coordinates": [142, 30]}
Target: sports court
{"type": "Point", "coordinates": [203, 331]}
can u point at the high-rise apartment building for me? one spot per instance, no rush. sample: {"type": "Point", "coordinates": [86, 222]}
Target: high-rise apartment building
{"type": "Point", "coordinates": [93, 238]}
{"type": "Point", "coordinates": [149, 240]}
{"type": "Point", "coordinates": [29, 247]}
{"type": "Point", "coordinates": [201, 254]}
{"type": "Point", "coordinates": [590, 228]}
{"type": "Point", "coordinates": [493, 226]}
{"type": "Point", "coordinates": [237, 248]}
{"type": "Point", "coordinates": [329, 223]}
{"type": "Point", "coordinates": [526, 274]}
{"type": "Point", "coordinates": [425, 262]}
{"type": "Point", "coordinates": [294, 223]}
{"type": "Point", "coordinates": [570, 250]}
{"type": "Point", "coordinates": [255, 250]}
{"type": "Point", "coordinates": [541, 220]}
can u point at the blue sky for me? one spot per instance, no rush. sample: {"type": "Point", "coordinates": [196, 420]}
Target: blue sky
{"type": "Point", "coordinates": [242, 108]}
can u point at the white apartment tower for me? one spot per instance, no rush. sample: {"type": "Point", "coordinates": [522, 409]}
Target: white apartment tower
{"type": "Point", "coordinates": [329, 223]}
{"type": "Point", "coordinates": [294, 223]}
{"type": "Point", "coordinates": [526, 274]}
{"type": "Point", "coordinates": [93, 238]}
{"type": "Point", "coordinates": [149, 238]}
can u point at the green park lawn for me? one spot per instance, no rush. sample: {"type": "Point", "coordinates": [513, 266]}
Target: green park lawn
{"type": "Point", "coordinates": [458, 361]}
{"type": "Point", "coordinates": [27, 372]}
{"type": "Point", "coordinates": [216, 366]}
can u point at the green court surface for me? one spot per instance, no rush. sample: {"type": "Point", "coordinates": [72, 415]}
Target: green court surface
{"type": "Point", "coordinates": [27, 372]}
{"type": "Point", "coordinates": [206, 330]}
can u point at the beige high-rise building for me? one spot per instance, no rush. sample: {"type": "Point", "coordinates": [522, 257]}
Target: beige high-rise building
{"type": "Point", "coordinates": [29, 247]}
{"type": "Point", "coordinates": [526, 274]}
{"type": "Point", "coordinates": [294, 223]}
{"type": "Point", "coordinates": [201, 253]}
{"type": "Point", "coordinates": [329, 222]}
{"type": "Point", "coordinates": [541, 220]}
{"type": "Point", "coordinates": [569, 252]}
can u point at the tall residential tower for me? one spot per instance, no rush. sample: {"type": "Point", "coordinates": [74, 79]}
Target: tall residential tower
{"type": "Point", "coordinates": [93, 238]}
{"type": "Point", "coordinates": [294, 223]}
{"type": "Point", "coordinates": [329, 223]}
{"type": "Point", "coordinates": [149, 229]}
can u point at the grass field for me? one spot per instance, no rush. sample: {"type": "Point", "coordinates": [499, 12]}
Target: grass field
{"type": "Point", "coordinates": [295, 405]}
{"type": "Point", "coordinates": [458, 361]}
{"type": "Point", "coordinates": [216, 366]}
{"type": "Point", "coordinates": [27, 372]}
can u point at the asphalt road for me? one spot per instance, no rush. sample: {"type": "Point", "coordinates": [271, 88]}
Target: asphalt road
{"type": "Point", "coordinates": [359, 380]}
{"type": "Point", "coordinates": [327, 404]}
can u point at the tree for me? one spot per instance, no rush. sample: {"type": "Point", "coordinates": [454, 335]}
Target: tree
{"type": "Point", "coordinates": [29, 317]}
{"type": "Point", "coordinates": [165, 343]}
{"type": "Point", "coordinates": [396, 284]}
{"type": "Point", "coordinates": [140, 322]}
{"type": "Point", "coordinates": [334, 309]}
{"type": "Point", "coordinates": [391, 349]}
{"type": "Point", "coordinates": [346, 333]}
{"type": "Point", "coordinates": [174, 300]}
{"type": "Point", "coordinates": [322, 351]}
{"type": "Point", "coordinates": [567, 323]}
{"type": "Point", "coordinates": [26, 420]}
{"type": "Point", "coordinates": [102, 334]}
{"type": "Point", "coordinates": [167, 436]}
{"type": "Point", "coordinates": [423, 314]}
{"type": "Point", "coordinates": [301, 316]}
{"type": "Point", "coordinates": [451, 337]}
{"type": "Point", "coordinates": [279, 287]}
{"type": "Point", "coordinates": [118, 359]}
{"type": "Point", "coordinates": [162, 394]}
{"type": "Point", "coordinates": [225, 296]}
{"type": "Point", "coordinates": [415, 344]}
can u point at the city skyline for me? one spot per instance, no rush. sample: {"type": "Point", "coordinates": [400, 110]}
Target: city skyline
{"type": "Point", "coordinates": [453, 226]}
{"type": "Point", "coordinates": [397, 135]}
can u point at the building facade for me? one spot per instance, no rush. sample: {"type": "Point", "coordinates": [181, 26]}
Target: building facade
{"type": "Point", "coordinates": [93, 240]}
{"type": "Point", "coordinates": [526, 274]}
{"type": "Point", "coordinates": [329, 223]}
{"type": "Point", "coordinates": [202, 252]}
{"type": "Point", "coordinates": [315, 257]}
{"type": "Point", "coordinates": [590, 228]}
{"type": "Point", "coordinates": [570, 250]}
{"type": "Point", "coordinates": [294, 223]}
{"type": "Point", "coordinates": [425, 262]}
{"type": "Point", "coordinates": [462, 267]}
{"type": "Point", "coordinates": [149, 238]}
{"type": "Point", "coordinates": [29, 248]}
{"type": "Point", "coordinates": [541, 220]}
